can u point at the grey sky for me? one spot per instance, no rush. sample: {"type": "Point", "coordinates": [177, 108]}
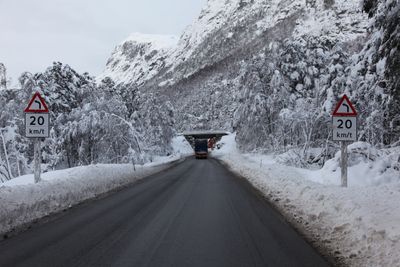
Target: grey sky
{"type": "Point", "coordinates": [34, 33]}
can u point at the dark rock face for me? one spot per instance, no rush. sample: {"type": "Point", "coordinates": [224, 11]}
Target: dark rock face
{"type": "Point", "coordinates": [370, 7]}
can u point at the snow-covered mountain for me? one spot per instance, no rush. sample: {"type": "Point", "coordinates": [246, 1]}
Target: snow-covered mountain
{"type": "Point", "coordinates": [232, 28]}
{"type": "Point", "coordinates": [267, 68]}
{"type": "Point", "coordinates": [139, 58]}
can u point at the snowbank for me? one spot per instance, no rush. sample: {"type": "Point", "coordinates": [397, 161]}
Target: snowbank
{"type": "Point", "coordinates": [181, 146]}
{"type": "Point", "coordinates": [359, 225]}
{"type": "Point", "coordinates": [22, 201]}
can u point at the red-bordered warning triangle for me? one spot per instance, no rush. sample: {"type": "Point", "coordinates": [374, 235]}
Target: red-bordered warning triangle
{"type": "Point", "coordinates": [37, 104]}
{"type": "Point", "coordinates": [344, 108]}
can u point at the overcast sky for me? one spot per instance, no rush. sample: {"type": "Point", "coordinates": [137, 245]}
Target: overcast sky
{"type": "Point", "coordinates": [81, 33]}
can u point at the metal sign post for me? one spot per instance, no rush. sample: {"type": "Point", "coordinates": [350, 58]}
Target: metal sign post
{"type": "Point", "coordinates": [344, 163]}
{"type": "Point", "coordinates": [37, 125]}
{"type": "Point", "coordinates": [37, 159]}
{"type": "Point", "coordinates": [344, 121]}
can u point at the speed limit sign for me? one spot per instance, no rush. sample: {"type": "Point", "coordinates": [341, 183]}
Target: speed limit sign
{"type": "Point", "coordinates": [37, 125]}
{"type": "Point", "coordinates": [37, 118]}
{"type": "Point", "coordinates": [344, 128]}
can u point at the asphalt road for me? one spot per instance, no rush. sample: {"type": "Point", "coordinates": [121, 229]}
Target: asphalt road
{"type": "Point", "coordinates": [194, 214]}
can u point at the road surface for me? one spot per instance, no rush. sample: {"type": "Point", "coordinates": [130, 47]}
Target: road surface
{"type": "Point", "coordinates": [194, 214]}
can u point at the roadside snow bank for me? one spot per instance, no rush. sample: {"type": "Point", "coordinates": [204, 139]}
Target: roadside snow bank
{"type": "Point", "coordinates": [359, 225]}
{"type": "Point", "coordinates": [22, 201]}
{"type": "Point", "coordinates": [181, 146]}
{"type": "Point", "coordinates": [367, 166]}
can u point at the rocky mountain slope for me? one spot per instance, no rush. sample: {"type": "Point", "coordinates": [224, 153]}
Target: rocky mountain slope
{"type": "Point", "coordinates": [225, 29]}
{"type": "Point", "coordinates": [139, 58]}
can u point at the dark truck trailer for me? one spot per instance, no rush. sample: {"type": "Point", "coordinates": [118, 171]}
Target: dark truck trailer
{"type": "Point", "coordinates": [201, 148]}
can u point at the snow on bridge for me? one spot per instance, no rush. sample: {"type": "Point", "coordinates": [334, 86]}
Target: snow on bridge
{"type": "Point", "coordinates": [206, 134]}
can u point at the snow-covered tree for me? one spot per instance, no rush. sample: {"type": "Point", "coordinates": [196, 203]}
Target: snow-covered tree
{"type": "Point", "coordinates": [90, 123]}
{"type": "Point", "coordinates": [3, 77]}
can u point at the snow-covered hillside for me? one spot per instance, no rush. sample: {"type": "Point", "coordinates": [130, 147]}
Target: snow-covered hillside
{"type": "Point", "coordinates": [266, 68]}
{"type": "Point", "coordinates": [209, 65]}
{"type": "Point", "coordinates": [139, 58]}
{"type": "Point", "coordinates": [225, 28]}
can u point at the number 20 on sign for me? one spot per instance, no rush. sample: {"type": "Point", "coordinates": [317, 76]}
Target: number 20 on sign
{"type": "Point", "coordinates": [37, 125]}
{"type": "Point", "coordinates": [344, 128]}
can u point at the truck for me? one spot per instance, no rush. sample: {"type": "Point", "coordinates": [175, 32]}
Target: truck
{"type": "Point", "coordinates": [201, 148]}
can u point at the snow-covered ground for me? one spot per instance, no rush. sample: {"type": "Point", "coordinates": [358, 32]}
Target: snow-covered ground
{"type": "Point", "coordinates": [360, 225]}
{"type": "Point", "coordinates": [22, 201]}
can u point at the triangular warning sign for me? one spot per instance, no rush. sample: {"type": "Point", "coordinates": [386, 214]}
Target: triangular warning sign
{"type": "Point", "coordinates": [37, 104]}
{"type": "Point", "coordinates": [344, 108]}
